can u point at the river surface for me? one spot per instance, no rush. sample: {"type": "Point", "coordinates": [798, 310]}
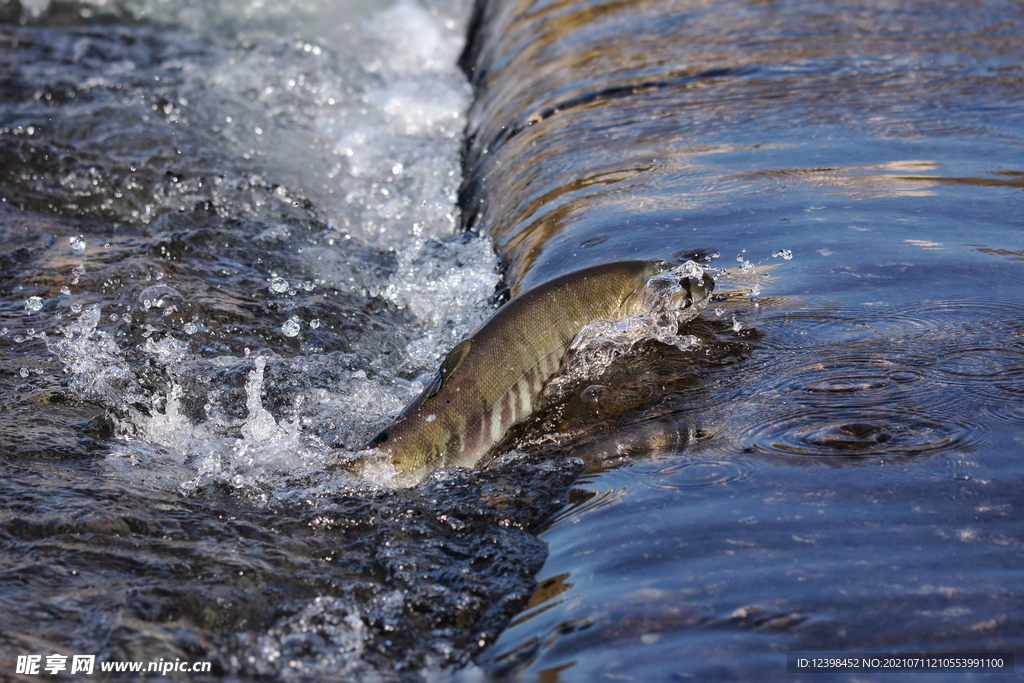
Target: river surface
{"type": "Point", "coordinates": [236, 238]}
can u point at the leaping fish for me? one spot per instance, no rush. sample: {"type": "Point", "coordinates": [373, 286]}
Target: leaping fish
{"type": "Point", "coordinates": [493, 379]}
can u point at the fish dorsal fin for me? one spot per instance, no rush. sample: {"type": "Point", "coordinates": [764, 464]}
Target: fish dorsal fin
{"type": "Point", "coordinates": [455, 357]}
{"type": "Point", "coordinates": [433, 386]}
{"type": "Point", "coordinates": [450, 363]}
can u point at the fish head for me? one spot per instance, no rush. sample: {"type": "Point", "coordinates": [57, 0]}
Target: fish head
{"type": "Point", "coordinates": [674, 289]}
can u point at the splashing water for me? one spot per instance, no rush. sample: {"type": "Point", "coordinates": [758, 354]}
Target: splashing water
{"type": "Point", "coordinates": [162, 359]}
{"type": "Point", "coordinates": [600, 342]}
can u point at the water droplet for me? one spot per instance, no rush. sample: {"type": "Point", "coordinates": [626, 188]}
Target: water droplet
{"type": "Point", "coordinates": [314, 323]}
{"type": "Point", "coordinates": [191, 328]}
{"type": "Point", "coordinates": [77, 243]}
{"type": "Point", "coordinates": [23, 372]}
{"type": "Point", "coordinates": [784, 254]}
{"type": "Point", "coordinates": [279, 285]}
{"type": "Point", "coordinates": [160, 296]}
{"type": "Point", "coordinates": [291, 327]}
{"type": "Point", "coordinates": [33, 304]}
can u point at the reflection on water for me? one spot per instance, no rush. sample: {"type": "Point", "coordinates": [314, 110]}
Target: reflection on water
{"type": "Point", "coordinates": [852, 490]}
{"type": "Point", "coordinates": [737, 126]}
{"type": "Point", "coordinates": [836, 466]}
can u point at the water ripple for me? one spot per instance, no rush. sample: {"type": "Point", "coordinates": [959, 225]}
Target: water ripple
{"type": "Point", "coordinates": [889, 383]}
{"type": "Point", "coordinates": [680, 473]}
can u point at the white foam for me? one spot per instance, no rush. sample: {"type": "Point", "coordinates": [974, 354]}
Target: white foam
{"type": "Point", "coordinates": [365, 119]}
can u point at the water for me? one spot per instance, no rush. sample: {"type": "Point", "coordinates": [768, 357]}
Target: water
{"type": "Point", "coordinates": [232, 248]}
{"type": "Point", "coordinates": [836, 467]}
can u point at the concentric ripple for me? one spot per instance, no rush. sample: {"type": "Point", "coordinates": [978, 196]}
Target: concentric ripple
{"type": "Point", "coordinates": [871, 436]}
{"type": "Point", "coordinates": [681, 473]}
{"type": "Point", "coordinates": [890, 383]}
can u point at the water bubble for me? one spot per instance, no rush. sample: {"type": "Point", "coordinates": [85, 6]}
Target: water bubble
{"type": "Point", "coordinates": [314, 323]}
{"type": "Point", "coordinates": [23, 372]}
{"type": "Point", "coordinates": [160, 296]}
{"type": "Point", "coordinates": [279, 285]}
{"type": "Point", "coordinates": [33, 304]}
{"type": "Point", "coordinates": [784, 254]}
{"type": "Point", "coordinates": [65, 290]}
{"type": "Point", "coordinates": [291, 327]}
{"type": "Point", "coordinates": [77, 243]}
{"type": "Point", "coordinates": [76, 308]}
{"type": "Point", "coordinates": [191, 328]}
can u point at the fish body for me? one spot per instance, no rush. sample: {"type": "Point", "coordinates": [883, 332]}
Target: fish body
{"type": "Point", "coordinates": [493, 379]}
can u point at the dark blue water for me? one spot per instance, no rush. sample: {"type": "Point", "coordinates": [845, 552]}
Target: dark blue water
{"type": "Point", "coordinates": [843, 458]}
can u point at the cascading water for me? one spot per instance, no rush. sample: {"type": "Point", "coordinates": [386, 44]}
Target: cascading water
{"type": "Point", "coordinates": [230, 246]}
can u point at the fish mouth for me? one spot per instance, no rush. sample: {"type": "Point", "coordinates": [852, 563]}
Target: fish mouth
{"type": "Point", "coordinates": [682, 288]}
{"type": "Point", "coordinates": [698, 291]}
{"type": "Point", "coordinates": [694, 292]}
